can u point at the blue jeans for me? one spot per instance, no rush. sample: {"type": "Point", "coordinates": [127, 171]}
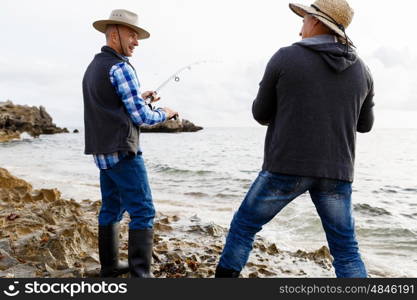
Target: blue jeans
{"type": "Point", "coordinates": [270, 193]}
{"type": "Point", "coordinates": [126, 188]}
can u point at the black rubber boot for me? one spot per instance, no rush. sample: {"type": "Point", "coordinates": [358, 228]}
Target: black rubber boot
{"type": "Point", "coordinates": [140, 252]}
{"type": "Point", "coordinates": [108, 246]}
{"type": "Point", "coordinates": [226, 273]}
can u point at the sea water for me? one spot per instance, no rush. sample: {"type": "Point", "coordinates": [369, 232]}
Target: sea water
{"type": "Point", "coordinates": [209, 172]}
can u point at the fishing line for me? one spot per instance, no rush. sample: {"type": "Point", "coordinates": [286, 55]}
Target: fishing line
{"type": "Point", "coordinates": [174, 77]}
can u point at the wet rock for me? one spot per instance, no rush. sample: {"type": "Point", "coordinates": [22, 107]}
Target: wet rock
{"type": "Point", "coordinates": [54, 237]}
{"type": "Point", "coordinates": [161, 248]}
{"type": "Point", "coordinates": [211, 229]}
{"type": "Point", "coordinates": [321, 256]}
{"type": "Point", "coordinates": [252, 264]}
{"type": "Point", "coordinates": [196, 258]}
{"type": "Point", "coordinates": [174, 256]}
{"type": "Point", "coordinates": [162, 227]}
{"type": "Point", "coordinates": [215, 230]}
{"type": "Point", "coordinates": [272, 250]}
{"type": "Point", "coordinates": [92, 271]}
{"type": "Point", "coordinates": [195, 219]}
{"type": "Point", "coordinates": [171, 270]}
{"type": "Point", "coordinates": [12, 217]}
{"type": "Point", "coordinates": [5, 245]}
{"type": "Point", "coordinates": [12, 183]}
{"type": "Point", "coordinates": [266, 272]}
{"type": "Point", "coordinates": [16, 119]}
{"type": "Point", "coordinates": [192, 264]}
{"type": "Point", "coordinates": [6, 261]}
{"type": "Point", "coordinates": [260, 246]}
{"type": "Point", "coordinates": [8, 135]}
{"type": "Point", "coordinates": [169, 219]}
{"type": "Point", "coordinates": [67, 273]}
{"type": "Point", "coordinates": [172, 126]}
{"type": "Point", "coordinates": [21, 271]}
{"type": "Point", "coordinates": [43, 230]}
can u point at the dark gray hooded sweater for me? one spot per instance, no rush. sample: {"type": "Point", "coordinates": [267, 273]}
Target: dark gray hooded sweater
{"type": "Point", "coordinates": [314, 97]}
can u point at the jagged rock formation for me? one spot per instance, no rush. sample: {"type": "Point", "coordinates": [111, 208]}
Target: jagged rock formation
{"type": "Point", "coordinates": [44, 235]}
{"type": "Point", "coordinates": [172, 126]}
{"type": "Point", "coordinates": [16, 119]}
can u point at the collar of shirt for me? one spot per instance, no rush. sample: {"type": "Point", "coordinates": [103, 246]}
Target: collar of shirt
{"type": "Point", "coordinates": [319, 39]}
{"type": "Point", "coordinates": [114, 52]}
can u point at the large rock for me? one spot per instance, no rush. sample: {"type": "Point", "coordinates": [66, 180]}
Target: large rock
{"type": "Point", "coordinates": [172, 126]}
{"type": "Point", "coordinates": [16, 119]}
{"type": "Point", "coordinates": [45, 235]}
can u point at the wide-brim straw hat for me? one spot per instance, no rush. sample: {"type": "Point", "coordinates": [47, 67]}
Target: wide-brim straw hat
{"type": "Point", "coordinates": [335, 14]}
{"type": "Point", "coordinates": [125, 18]}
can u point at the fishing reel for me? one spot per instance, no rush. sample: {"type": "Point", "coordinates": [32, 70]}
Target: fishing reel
{"type": "Point", "coordinates": [149, 100]}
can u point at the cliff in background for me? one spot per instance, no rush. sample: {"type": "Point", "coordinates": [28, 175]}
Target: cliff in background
{"type": "Point", "coordinates": [16, 119]}
{"type": "Point", "coordinates": [172, 126]}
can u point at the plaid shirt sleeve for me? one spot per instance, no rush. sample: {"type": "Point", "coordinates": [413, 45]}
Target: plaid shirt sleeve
{"type": "Point", "coordinates": [127, 86]}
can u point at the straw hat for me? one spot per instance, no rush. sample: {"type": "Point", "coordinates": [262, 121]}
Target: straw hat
{"type": "Point", "coordinates": [335, 14]}
{"type": "Point", "coordinates": [125, 18]}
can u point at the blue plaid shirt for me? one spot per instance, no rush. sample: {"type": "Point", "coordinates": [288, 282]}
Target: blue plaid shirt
{"type": "Point", "coordinates": [124, 79]}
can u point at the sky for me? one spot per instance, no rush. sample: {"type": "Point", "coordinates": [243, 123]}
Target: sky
{"type": "Point", "coordinates": [47, 45]}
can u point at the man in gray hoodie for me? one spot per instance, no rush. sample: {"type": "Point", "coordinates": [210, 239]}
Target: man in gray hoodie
{"type": "Point", "coordinates": [314, 97]}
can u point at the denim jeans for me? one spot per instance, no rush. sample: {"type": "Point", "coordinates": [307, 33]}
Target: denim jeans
{"type": "Point", "coordinates": [126, 188]}
{"type": "Point", "coordinates": [270, 193]}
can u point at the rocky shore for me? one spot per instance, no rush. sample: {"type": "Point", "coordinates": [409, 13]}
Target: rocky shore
{"type": "Point", "coordinates": [17, 119]}
{"type": "Point", "coordinates": [44, 235]}
{"type": "Point", "coordinates": [172, 126]}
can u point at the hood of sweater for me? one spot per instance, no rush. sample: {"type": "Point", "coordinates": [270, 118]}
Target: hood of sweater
{"type": "Point", "coordinates": [332, 52]}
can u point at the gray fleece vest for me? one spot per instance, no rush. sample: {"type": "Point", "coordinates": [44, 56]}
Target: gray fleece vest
{"type": "Point", "coordinates": [108, 127]}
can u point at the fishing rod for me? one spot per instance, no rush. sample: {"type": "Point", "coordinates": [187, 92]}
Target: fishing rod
{"type": "Point", "coordinates": [174, 77]}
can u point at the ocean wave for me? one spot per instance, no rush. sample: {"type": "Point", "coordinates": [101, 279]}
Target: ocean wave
{"type": "Point", "coordinates": [224, 196]}
{"type": "Point", "coordinates": [412, 216]}
{"type": "Point", "coordinates": [394, 190]}
{"type": "Point", "coordinates": [172, 170]}
{"type": "Point", "coordinates": [385, 191]}
{"type": "Point", "coordinates": [196, 194]}
{"type": "Point", "coordinates": [90, 185]}
{"type": "Point", "coordinates": [391, 234]}
{"type": "Point", "coordinates": [371, 210]}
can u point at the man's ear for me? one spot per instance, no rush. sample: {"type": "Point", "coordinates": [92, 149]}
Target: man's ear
{"type": "Point", "coordinates": [114, 37]}
{"type": "Point", "coordinates": [315, 21]}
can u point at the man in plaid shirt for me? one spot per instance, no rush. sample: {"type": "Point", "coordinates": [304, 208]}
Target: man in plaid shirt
{"type": "Point", "coordinates": [114, 110]}
{"type": "Point", "coordinates": [125, 81]}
